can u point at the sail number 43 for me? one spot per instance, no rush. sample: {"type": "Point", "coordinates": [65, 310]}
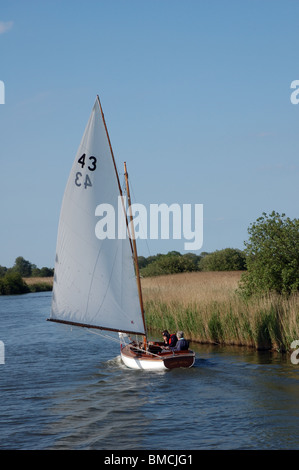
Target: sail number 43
{"type": "Point", "coordinates": [91, 163]}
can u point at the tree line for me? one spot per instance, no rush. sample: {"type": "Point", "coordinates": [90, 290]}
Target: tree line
{"type": "Point", "coordinates": [11, 279]}
{"type": "Point", "coordinates": [270, 261]}
{"type": "Point", "coordinates": [26, 269]}
{"type": "Point", "coordinates": [228, 259]}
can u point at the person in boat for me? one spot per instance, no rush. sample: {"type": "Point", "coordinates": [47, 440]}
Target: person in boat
{"type": "Point", "coordinates": [169, 340]}
{"type": "Point", "coordinates": [182, 344]}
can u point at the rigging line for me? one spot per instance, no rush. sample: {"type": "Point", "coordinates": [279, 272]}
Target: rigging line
{"type": "Point", "coordinates": [135, 250]}
{"type": "Point", "coordinates": [104, 336]}
{"type": "Point", "coordinates": [148, 352]}
{"type": "Point", "coordinates": [117, 341]}
{"type": "Point", "coordinates": [142, 228]}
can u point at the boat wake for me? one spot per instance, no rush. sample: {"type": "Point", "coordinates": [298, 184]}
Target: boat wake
{"type": "Point", "coordinates": [116, 362]}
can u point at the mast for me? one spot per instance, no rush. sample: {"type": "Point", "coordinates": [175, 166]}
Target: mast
{"type": "Point", "coordinates": [135, 249]}
{"type": "Point", "coordinates": [131, 239]}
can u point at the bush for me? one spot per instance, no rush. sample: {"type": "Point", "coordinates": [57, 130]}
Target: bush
{"type": "Point", "coordinates": [12, 283]}
{"type": "Point", "coordinates": [22, 267]}
{"type": "Point", "coordinates": [272, 256]}
{"type": "Point", "coordinates": [229, 259]}
{"type": "Point", "coordinates": [171, 263]}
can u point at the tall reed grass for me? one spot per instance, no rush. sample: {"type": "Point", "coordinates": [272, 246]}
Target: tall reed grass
{"type": "Point", "coordinates": [206, 306]}
{"type": "Point", "coordinates": [39, 284]}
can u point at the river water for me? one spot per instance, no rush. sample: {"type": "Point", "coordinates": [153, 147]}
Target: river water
{"type": "Point", "coordinates": [65, 388]}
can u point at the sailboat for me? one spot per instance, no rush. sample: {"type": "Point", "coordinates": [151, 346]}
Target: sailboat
{"type": "Point", "coordinates": [96, 276]}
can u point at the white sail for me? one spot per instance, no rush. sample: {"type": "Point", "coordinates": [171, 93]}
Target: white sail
{"type": "Point", "coordinates": [94, 280]}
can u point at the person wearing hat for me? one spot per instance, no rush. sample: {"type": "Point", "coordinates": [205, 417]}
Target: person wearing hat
{"type": "Point", "coordinates": [182, 344]}
{"type": "Point", "coordinates": [169, 340]}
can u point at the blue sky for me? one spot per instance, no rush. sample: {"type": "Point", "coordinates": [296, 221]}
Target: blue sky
{"type": "Point", "coordinates": [196, 96]}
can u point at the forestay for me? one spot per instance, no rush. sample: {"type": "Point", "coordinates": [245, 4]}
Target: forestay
{"type": "Point", "coordinates": [94, 281]}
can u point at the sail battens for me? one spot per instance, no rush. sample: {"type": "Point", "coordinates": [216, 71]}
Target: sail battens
{"type": "Point", "coordinates": [85, 325]}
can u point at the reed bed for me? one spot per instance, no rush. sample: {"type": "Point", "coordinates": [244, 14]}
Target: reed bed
{"type": "Point", "coordinates": [39, 284]}
{"type": "Point", "coordinates": [206, 306]}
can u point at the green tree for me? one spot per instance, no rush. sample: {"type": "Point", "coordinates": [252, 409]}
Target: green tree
{"type": "Point", "coordinates": [22, 266]}
{"type": "Point", "coordinates": [12, 283]}
{"type": "Point", "coordinates": [194, 260]}
{"type": "Point", "coordinates": [3, 271]}
{"type": "Point", "coordinates": [46, 272]}
{"type": "Point", "coordinates": [272, 256]}
{"type": "Point", "coordinates": [142, 262]}
{"type": "Point", "coordinates": [171, 263]}
{"type": "Point", "coordinates": [35, 272]}
{"type": "Point", "coordinates": [228, 259]}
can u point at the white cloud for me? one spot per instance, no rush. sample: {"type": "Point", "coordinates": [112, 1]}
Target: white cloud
{"type": "Point", "coordinates": [5, 26]}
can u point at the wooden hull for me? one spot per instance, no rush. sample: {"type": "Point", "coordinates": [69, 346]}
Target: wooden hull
{"type": "Point", "coordinates": [137, 359]}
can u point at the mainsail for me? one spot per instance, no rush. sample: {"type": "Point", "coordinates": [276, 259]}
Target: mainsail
{"type": "Point", "coordinates": [94, 281]}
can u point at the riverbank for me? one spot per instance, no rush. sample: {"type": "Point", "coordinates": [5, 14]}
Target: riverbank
{"type": "Point", "coordinates": [207, 308]}
{"type": "Point", "coordinates": [39, 284]}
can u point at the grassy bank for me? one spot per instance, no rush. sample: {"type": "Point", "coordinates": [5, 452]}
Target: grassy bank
{"type": "Point", "coordinates": [39, 284]}
{"type": "Point", "coordinates": [206, 307]}
{"type": "Point", "coordinates": [12, 283]}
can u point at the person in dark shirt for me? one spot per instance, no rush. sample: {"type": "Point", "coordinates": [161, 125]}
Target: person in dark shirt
{"type": "Point", "coordinates": [182, 344]}
{"type": "Point", "coordinates": [169, 340]}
